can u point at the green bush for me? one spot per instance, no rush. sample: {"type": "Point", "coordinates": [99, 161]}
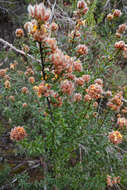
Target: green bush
{"type": "Point", "coordinates": [57, 107]}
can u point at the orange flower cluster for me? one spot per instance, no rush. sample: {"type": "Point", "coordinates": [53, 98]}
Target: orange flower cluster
{"type": "Point", "coordinates": [31, 80]}
{"type": "Point", "coordinates": [7, 84]}
{"type": "Point", "coordinates": [43, 89]}
{"type": "Point", "coordinates": [18, 133]}
{"type": "Point", "coordinates": [38, 32]}
{"type": "Point", "coordinates": [52, 43]}
{"type": "Point", "coordinates": [54, 26]}
{"type": "Point", "coordinates": [122, 122]}
{"type": "Point", "coordinates": [87, 98]}
{"type": "Point", "coordinates": [19, 33]}
{"type": "Point", "coordinates": [122, 28]}
{"type": "Point", "coordinates": [61, 62]}
{"type": "Point", "coordinates": [39, 12]}
{"type": "Point", "coordinates": [116, 13]}
{"type": "Point", "coordinates": [115, 137]}
{"type": "Point", "coordinates": [79, 81]}
{"type": "Point", "coordinates": [3, 72]}
{"type": "Point", "coordinates": [82, 49]}
{"type": "Point", "coordinates": [82, 6]}
{"type": "Point", "coordinates": [109, 17]}
{"type": "Point", "coordinates": [95, 91]}
{"type": "Point", "coordinates": [99, 82]}
{"type": "Point", "coordinates": [112, 180]}
{"type": "Point", "coordinates": [77, 97]}
{"type": "Point", "coordinates": [120, 45]}
{"type": "Point", "coordinates": [115, 103]}
{"type": "Point", "coordinates": [75, 34]}
{"type": "Point", "coordinates": [86, 78]}
{"type": "Point", "coordinates": [29, 71]}
{"type": "Point", "coordinates": [25, 90]}
{"type": "Point", "coordinates": [77, 66]}
{"type": "Point", "coordinates": [67, 87]}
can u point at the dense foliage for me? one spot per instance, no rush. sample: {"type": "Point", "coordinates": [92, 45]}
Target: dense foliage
{"type": "Point", "coordinates": [65, 110]}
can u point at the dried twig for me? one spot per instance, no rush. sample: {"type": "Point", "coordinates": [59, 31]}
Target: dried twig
{"type": "Point", "coordinates": [107, 5]}
{"type": "Point", "coordinates": [7, 44]}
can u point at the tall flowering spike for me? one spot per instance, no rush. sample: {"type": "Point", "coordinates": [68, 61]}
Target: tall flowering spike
{"type": "Point", "coordinates": [18, 133]}
{"type": "Point", "coordinates": [39, 12]}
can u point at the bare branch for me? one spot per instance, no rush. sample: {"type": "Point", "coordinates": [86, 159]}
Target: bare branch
{"type": "Point", "coordinates": [7, 44]}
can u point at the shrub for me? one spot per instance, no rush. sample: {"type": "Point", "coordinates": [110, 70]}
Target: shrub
{"type": "Point", "coordinates": [68, 116]}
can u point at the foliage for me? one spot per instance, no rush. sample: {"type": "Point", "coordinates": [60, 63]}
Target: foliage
{"type": "Point", "coordinates": [61, 99]}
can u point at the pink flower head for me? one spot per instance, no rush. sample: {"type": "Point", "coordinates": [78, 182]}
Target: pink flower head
{"type": "Point", "coordinates": [122, 28]}
{"type": "Point", "coordinates": [61, 62]}
{"type": "Point", "coordinates": [122, 122]}
{"type": "Point", "coordinates": [75, 34]}
{"type": "Point", "coordinates": [18, 133]}
{"type": "Point", "coordinates": [109, 17]}
{"type": "Point", "coordinates": [51, 42]}
{"type": "Point", "coordinates": [19, 32]}
{"type": "Point", "coordinates": [95, 91]}
{"type": "Point", "coordinates": [115, 137]}
{"type": "Point", "coordinates": [86, 78]}
{"type": "Point", "coordinates": [82, 49]}
{"type": "Point", "coordinates": [87, 98]}
{"type": "Point", "coordinates": [67, 87]}
{"type": "Point", "coordinates": [120, 45]}
{"type": "Point", "coordinates": [99, 82]}
{"type": "Point", "coordinates": [85, 10]}
{"type": "Point", "coordinates": [117, 13]}
{"type": "Point", "coordinates": [54, 26]}
{"type": "Point", "coordinates": [79, 81]}
{"type": "Point", "coordinates": [70, 76]}
{"type": "Point", "coordinates": [81, 4]}
{"type": "Point", "coordinates": [43, 89]}
{"type": "Point", "coordinates": [39, 12]}
{"type": "Point", "coordinates": [77, 66]}
{"type": "Point", "coordinates": [77, 97]}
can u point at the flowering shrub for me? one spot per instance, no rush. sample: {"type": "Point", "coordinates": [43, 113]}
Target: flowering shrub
{"type": "Point", "coordinates": [69, 117]}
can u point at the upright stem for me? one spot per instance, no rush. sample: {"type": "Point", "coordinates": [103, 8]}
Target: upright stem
{"type": "Point", "coordinates": [43, 73]}
{"type": "Point", "coordinates": [48, 101]}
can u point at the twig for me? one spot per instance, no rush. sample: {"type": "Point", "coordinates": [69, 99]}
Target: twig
{"type": "Point", "coordinates": [107, 5]}
{"type": "Point", "coordinates": [8, 2]}
{"type": "Point", "coordinates": [124, 100]}
{"type": "Point", "coordinates": [7, 44]}
{"type": "Point", "coordinates": [53, 8]}
{"type": "Point", "coordinates": [7, 186]}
